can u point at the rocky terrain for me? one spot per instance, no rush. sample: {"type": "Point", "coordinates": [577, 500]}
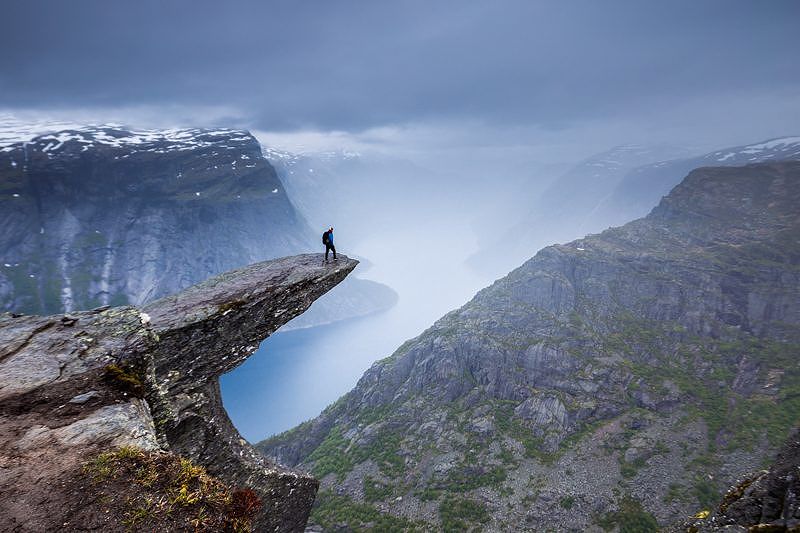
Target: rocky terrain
{"type": "Point", "coordinates": [108, 215]}
{"type": "Point", "coordinates": [111, 419]}
{"type": "Point", "coordinates": [623, 380]}
{"type": "Point", "coordinates": [766, 500]}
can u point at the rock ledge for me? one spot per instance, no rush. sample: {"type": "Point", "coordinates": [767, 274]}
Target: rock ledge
{"type": "Point", "coordinates": [74, 385]}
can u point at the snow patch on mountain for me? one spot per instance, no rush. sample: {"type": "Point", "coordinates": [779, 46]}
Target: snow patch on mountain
{"type": "Point", "coordinates": [774, 149]}
{"type": "Point", "coordinates": [55, 135]}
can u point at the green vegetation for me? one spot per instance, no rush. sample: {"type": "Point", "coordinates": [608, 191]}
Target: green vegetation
{"type": "Point", "coordinates": [336, 455]}
{"type": "Point", "coordinates": [630, 518]}
{"type": "Point", "coordinates": [707, 492]}
{"type": "Point", "coordinates": [466, 478]}
{"type": "Point", "coordinates": [567, 502]}
{"type": "Point", "coordinates": [125, 378]}
{"type": "Point", "coordinates": [458, 514]}
{"type": "Point", "coordinates": [375, 491]}
{"type": "Point", "coordinates": [508, 424]}
{"type": "Point", "coordinates": [331, 509]}
{"type": "Point", "coordinates": [664, 359]}
{"type": "Point", "coordinates": [371, 415]}
{"type": "Point", "coordinates": [329, 456]}
{"type": "Point", "coordinates": [166, 492]}
{"type": "Point", "coordinates": [428, 494]}
{"type": "Point", "coordinates": [630, 469]}
{"type": "Point", "coordinates": [675, 492]}
{"type": "Point", "coordinates": [704, 370]}
{"type": "Point", "coordinates": [507, 457]}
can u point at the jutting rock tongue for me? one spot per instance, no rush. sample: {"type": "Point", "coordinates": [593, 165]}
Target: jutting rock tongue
{"type": "Point", "coordinates": [72, 386]}
{"type": "Point", "coordinates": [208, 330]}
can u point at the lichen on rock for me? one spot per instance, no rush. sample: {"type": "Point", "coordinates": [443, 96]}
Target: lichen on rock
{"type": "Point", "coordinates": [73, 387]}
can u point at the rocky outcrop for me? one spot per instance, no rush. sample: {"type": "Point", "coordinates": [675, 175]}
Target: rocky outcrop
{"type": "Point", "coordinates": [74, 385]}
{"type": "Point", "coordinates": [627, 377]}
{"type": "Point", "coordinates": [766, 500]}
{"type": "Point", "coordinates": [106, 215]}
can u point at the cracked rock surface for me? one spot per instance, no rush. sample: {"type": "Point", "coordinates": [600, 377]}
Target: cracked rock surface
{"type": "Point", "coordinates": [74, 385]}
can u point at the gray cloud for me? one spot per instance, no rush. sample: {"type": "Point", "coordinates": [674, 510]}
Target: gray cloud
{"type": "Point", "coordinates": [353, 65]}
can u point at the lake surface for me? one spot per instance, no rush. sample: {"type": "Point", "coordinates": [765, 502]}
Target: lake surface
{"type": "Point", "coordinates": [294, 375]}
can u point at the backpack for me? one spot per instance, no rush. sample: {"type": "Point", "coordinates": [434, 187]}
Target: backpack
{"type": "Point", "coordinates": [325, 238]}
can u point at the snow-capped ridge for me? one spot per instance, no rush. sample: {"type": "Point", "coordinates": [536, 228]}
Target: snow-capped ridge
{"type": "Point", "coordinates": [772, 149]}
{"type": "Point", "coordinates": [55, 135]}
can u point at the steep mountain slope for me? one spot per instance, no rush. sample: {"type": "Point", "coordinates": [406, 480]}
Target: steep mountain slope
{"type": "Point", "coordinates": [611, 189]}
{"type": "Point", "coordinates": [102, 215]}
{"type": "Point", "coordinates": [623, 378]}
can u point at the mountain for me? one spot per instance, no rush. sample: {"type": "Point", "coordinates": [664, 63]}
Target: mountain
{"type": "Point", "coordinates": [323, 185]}
{"type": "Point", "coordinates": [642, 187]}
{"type": "Point", "coordinates": [623, 379]}
{"type": "Point", "coordinates": [610, 189]}
{"type": "Point", "coordinates": [565, 209]}
{"type": "Point", "coordinates": [112, 420]}
{"type": "Point", "coordinates": [99, 215]}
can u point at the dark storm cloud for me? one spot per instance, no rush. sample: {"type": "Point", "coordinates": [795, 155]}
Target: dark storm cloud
{"type": "Point", "coordinates": [355, 65]}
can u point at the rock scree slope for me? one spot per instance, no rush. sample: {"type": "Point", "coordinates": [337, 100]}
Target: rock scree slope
{"type": "Point", "coordinates": [767, 500]}
{"type": "Point", "coordinates": [75, 385]}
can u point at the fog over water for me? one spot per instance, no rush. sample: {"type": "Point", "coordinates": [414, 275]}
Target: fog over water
{"type": "Point", "coordinates": [296, 374]}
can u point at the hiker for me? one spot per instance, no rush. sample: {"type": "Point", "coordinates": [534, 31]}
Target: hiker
{"type": "Point", "coordinates": [327, 240]}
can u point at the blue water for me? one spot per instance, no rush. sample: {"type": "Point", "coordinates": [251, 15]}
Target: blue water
{"type": "Point", "coordinates": [294, 375]}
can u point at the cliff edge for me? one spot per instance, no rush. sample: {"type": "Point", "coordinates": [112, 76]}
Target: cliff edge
{"type": "Point", "coordinates": [75, 387]}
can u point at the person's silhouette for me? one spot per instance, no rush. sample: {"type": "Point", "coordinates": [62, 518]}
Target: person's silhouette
{"type": "Point", "coordinates": [327, 240]}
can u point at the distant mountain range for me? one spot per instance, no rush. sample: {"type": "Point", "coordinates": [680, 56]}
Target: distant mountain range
{"type": "Point", "coordinates": [622, 380]}
{"type": "Point", "coordinates": [610, 189]}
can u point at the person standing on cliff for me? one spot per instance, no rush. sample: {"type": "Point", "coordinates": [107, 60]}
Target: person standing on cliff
{"type": "Point", "coordinates": [327, 240]}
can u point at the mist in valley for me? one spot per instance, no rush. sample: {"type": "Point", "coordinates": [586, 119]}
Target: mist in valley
{"type": "Point", "coordinates": [147, 146]}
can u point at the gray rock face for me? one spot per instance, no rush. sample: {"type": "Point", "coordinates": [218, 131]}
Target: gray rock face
{"type": "Point", "coordinates": [73, 385]}
{"type": "Point", "coordinates": [110, 216]}
{"type": "Point", "coordinates": [652, 363]}
{"type": "Point", "coordinates": [767, 500]}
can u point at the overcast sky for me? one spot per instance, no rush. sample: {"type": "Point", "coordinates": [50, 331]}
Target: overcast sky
{"type": "Point", "coordinates": [492, 77]}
